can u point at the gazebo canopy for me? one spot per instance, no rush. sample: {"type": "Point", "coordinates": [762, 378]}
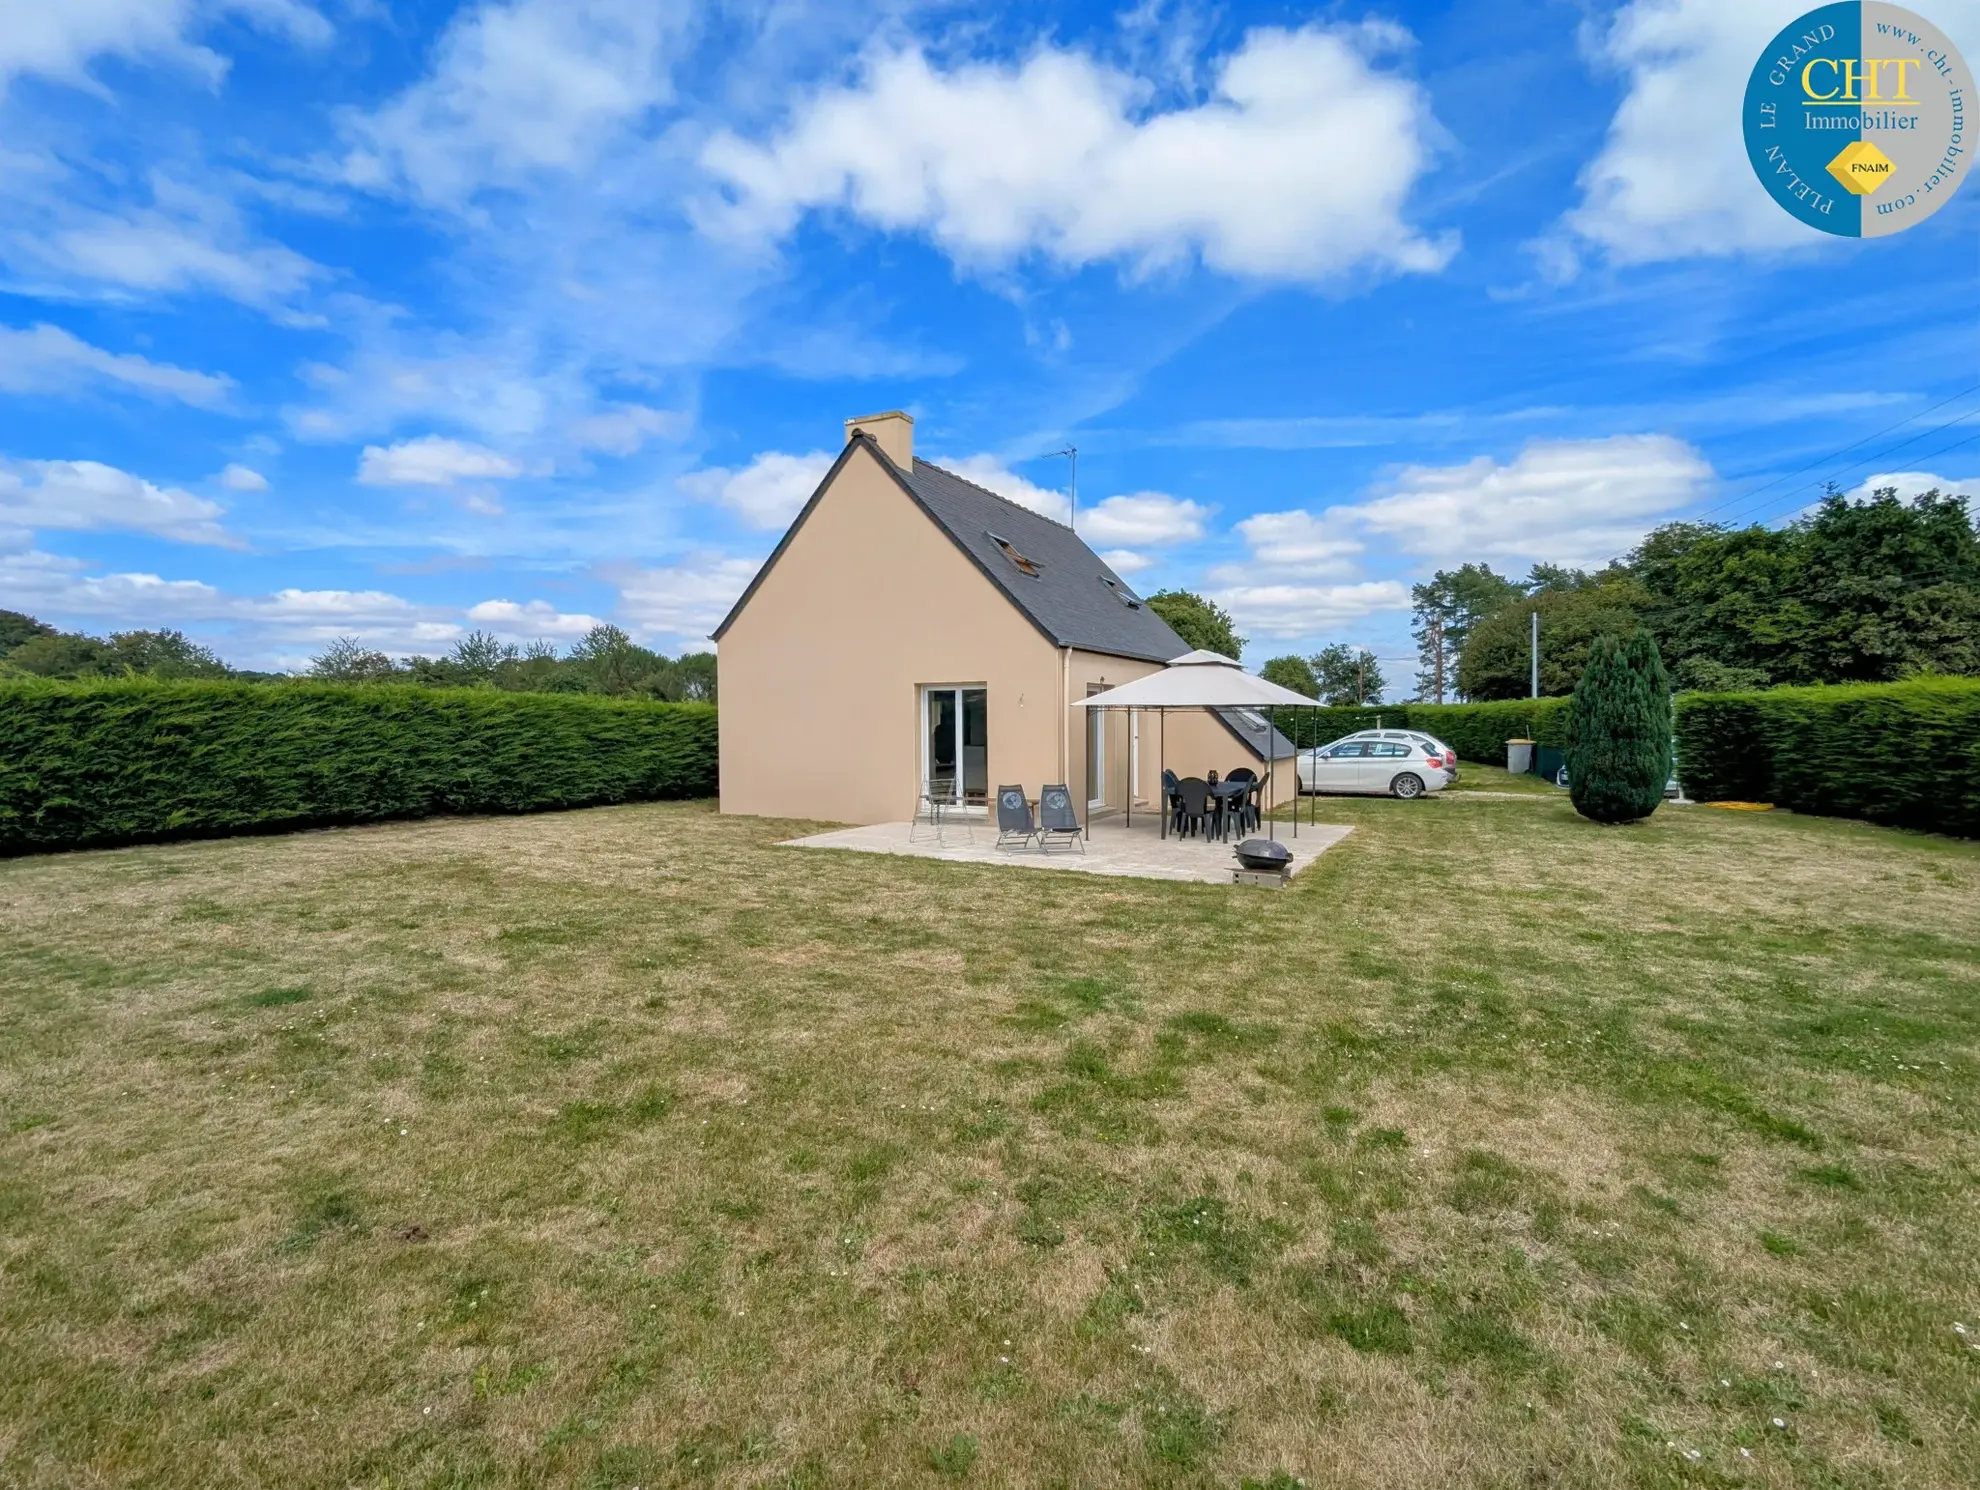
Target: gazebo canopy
{"type": "Point", "coordinates": [1198, 680]}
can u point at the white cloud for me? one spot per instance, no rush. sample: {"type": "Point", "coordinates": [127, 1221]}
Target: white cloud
{"type": "Point", "coordinates": [991, 474]}
{"type": "Point", "coordinates": [532, 619]}
{"type": "Point", "coordinates": [1673, 180]}
{"type": "Point", "coordinates": [685, 601]}
{"type": "Point", "coordinates": [1125, 561]}
{"type": "Point", "coordinates": [1054, 156]}
{"type": "Point", "coordinates": [549, 133]}
{"type": "Point", "coordinates": [375, 615]}
{"type": "Point", "coordinates": [768, 492]}
{"type": "Point", "coordinates": [1564, 501]}
{"type": "Point", "coordinates": [1291, 543]}
{"type": "Point", "coordinates": [59, 40]}
{"type": "Point", "coordinates": [86, 495]}
{"type": "Point", "coordinates": [1293, 610]}
{"type": "Point", "coordinates": [1148, 518]}
{"type": "Point", "coordinates": [1909, 484]}
{"type": "Point", "coordinates": [622, 428]}
{"type": "Point", "coordinates": [518, 88]}
{"type": "Point", "coordinates": [494, 388]}
{"type": "Point", "coordinates": [47, 359]}
{"type": "Point", "coordinates": [243, 478]}
{"type": "Point", "coordinates": [50, 586]}
{"type": "Point", "coordinates": [184, 239]}
{"type": "Point", "coordinates": [150, 252]}
{"type": "Point", "coordinates": [432, 461]}
{"type": "Point", "coordinates": [281, 630]}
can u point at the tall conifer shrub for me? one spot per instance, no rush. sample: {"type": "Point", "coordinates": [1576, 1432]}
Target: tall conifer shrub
{"type": "Point", "coordinates": [1619, 731]}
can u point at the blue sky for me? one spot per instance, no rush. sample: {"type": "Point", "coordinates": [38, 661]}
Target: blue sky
{"type": "Point", "coordinates": [394, 321]}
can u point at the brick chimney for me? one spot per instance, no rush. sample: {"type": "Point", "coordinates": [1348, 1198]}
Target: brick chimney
{"type": "Point", "coordinates": [892, 431]}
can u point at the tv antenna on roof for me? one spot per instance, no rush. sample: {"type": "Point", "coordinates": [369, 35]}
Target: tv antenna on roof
{"type": "Point", "coordinates": [1071, 453]}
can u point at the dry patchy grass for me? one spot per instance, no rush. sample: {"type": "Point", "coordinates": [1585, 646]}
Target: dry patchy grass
{"type": "Point", "coordinates": [624, 1148]}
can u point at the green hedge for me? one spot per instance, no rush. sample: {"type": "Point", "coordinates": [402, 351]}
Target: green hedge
{"type": "Point", "coordinates": [1905, 754]}
{"type": "Point", "coordinates": [1722, 750]}
{"type": "Point", "coordinates": [1309, 727]}
{"type": "Point", "coordinates": [1478, 732]}
{"type": "Point", "coordinates": [85, 765]}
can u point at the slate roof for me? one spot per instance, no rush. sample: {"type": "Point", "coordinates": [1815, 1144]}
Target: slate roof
{"type": "Point", "coordinates": [1074, 598]}
{"type": "Point", "coordinates": [1240, 723]}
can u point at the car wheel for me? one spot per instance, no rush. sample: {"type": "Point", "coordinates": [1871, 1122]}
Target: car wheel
{"type": "Point", "coordinates": [1407, 785]}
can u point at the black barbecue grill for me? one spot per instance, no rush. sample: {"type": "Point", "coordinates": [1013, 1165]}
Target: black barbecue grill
{"type": "Point", "coordinates": [1264, 854]}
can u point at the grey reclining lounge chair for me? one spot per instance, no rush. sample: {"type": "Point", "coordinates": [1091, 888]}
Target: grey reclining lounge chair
{"type": "Point", "coordinates": [1014, 825]}
{"type": "Point", "coordinates": [1056, 818]}
{"type": "Point", "coordinates": [935, 809]}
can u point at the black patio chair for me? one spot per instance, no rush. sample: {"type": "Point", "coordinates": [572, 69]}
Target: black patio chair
{"type": "Point", "coordinates": [1056, 818]}
{"type": "Point", "coordinates": [1192, 805]}
{"type": "Point", "coordinates": [1245, 808]}
{"type": "Point", "coordinates": [1169, 800]}
{"type": "Point", "coordinates": [1014, 825]}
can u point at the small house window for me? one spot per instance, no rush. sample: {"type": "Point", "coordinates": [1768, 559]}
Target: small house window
{"type": "Point", "coordinates": [1122, 593]}
{"type": "Point", "coordinates": [1009, 551]}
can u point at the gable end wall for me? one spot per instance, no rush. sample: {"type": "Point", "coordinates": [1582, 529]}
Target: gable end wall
{"type": "Point", "coordinates": [820, 714]}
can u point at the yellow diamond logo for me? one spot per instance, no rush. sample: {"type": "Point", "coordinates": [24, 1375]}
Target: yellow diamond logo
{"type": "Point", "coordinates": [1861, 167]}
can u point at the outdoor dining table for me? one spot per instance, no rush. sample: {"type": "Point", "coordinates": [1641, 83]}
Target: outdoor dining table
{"type": "Point", "coordinates": [1227, 794]}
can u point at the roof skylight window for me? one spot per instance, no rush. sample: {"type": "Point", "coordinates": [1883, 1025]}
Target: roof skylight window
{"type": "Point", "coordinates": [1009, 551]}
{"type": "Point", "coordinates": [1122, 593]}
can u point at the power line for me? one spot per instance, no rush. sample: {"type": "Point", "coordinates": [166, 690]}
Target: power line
{"type": "Point", "coordinates": [1822, 459]}
{"type": "Point", "coordinates": [1956, 444]}
{"type": "Point", "coordinates": [1885, 454]}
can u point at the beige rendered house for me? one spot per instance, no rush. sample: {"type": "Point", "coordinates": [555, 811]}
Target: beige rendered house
{"type": "Point", "coordinates": [913, 629]}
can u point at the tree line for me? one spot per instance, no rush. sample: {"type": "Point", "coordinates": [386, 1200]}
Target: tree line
{"type": "Point", "coordinates": [605, 661]}
{"type": "Point", "coordinates": [1853, 592]}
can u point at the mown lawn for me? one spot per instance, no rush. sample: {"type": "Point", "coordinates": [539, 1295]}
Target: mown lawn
{"type": "Point", "coordinates": [624, 1148]}
{"type": "Point", "coordinates": [1473, 777]}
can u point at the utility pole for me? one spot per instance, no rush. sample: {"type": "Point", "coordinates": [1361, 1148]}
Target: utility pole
{"type": "Point", "coordinates": [1071, 453]}
{"type": "Point", "coordinates": [1536, 651]}
{"type": "Point", "coordinates": [1360, 677]}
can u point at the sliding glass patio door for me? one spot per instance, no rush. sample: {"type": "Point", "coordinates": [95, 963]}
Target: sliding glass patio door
{"type": "Point", "coordinates": [955, 742]}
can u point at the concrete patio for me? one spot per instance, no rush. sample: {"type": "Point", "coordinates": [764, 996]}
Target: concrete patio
{"type": "Point", "coordinates": [1114, 848]}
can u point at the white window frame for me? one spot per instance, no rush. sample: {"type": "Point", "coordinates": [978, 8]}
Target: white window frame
{"type": "Point", "coordinates": [1096, 759]}
{"type": "Point", "coordinates": [922, 693]}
